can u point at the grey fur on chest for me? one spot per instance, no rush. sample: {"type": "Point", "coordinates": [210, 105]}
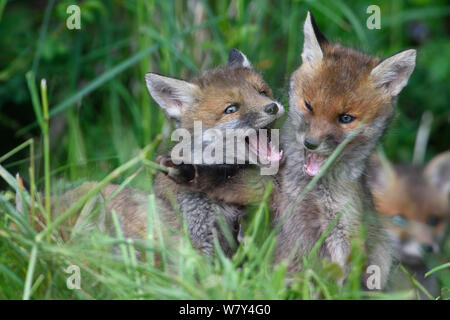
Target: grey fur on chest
{"type": "Point", "coordinates": [202, 216]}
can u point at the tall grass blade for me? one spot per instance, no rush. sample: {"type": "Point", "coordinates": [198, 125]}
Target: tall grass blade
{"type": "Point", "coordinates": [30, 272]}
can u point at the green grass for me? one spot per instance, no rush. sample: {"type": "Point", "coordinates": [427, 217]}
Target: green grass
{"type": "Point", "coordinates": [104, 126]}
{"type": "Point", "coordinates": [249, 275]}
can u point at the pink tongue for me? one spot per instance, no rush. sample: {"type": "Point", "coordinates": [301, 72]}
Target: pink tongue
{"type": "Point", "coordinates": [271, 153]}
{"type": "Point", "coordinates": [267, 151]}
{"type": "Point", "coordinates": [313, 164]}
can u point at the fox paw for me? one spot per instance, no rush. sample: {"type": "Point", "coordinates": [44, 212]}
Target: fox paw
{"type": "Point", "coordinates": [179, 173]}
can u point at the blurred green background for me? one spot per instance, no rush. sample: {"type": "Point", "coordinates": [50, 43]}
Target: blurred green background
{"type": "Point", "coordinates": [101, 111]}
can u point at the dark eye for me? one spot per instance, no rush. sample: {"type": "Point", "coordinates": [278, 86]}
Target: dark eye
{"type": "Point", "coordinates": [346, 118]}
{"type": "Point", "coordinates": [399, 220]}
{"type": "Point", "coordinates": [433, 221]}
{"type": "Point", "coordinates": [263, 93]}
{"type": "Point", "coordinates": [308, 106]}
{"type": "Point", "coordinates": [232, 108]}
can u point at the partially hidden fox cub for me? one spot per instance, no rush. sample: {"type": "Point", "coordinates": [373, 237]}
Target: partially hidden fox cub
{"type": "Point", "coordinates": [231, 97]}
{"type": "Point", "coordinates": [336, 92]}
{"type": "Point", "coordinates": [415, 206]}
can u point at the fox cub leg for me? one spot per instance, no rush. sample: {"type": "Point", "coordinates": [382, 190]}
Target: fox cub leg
{"type": "Point", "coordinates": [242, 187]}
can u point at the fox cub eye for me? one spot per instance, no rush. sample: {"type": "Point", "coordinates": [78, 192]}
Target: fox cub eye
{"type": "Point", "coordinates": [308, 106]}
{"type": "Point", "coordinates": [346, 118]}
{"type": "Point", "coordinates": [433, 221]}
{"type": "Point", "coordinates": [263, 93]}
{"type": "Point", "coordinates": [232, 108]}
{"type": "Point", "coordinates": [399, 220]}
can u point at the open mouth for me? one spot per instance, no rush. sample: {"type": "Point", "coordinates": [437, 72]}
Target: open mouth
{"type": "Point", "coordinates": [313, 163]}
{"type": "Point", "coordinates": [262, 146]}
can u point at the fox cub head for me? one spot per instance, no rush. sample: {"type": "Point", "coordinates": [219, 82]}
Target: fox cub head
{"type": "Point", "coordinates": [338, 91]}
{"type": "Point", "coordinates": [414, 203]}
{"type": "Point", "coordinates": [225, 98]}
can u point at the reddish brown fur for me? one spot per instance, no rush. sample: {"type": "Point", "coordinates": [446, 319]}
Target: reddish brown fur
{"type": "Point", "coordinates": [222, 87]}
{"type": "Point", "coordinates": [338, 88]}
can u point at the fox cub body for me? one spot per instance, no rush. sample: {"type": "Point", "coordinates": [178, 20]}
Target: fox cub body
{"type": "Point", "coordinates": [415, 207]}
{"type": "Point", "coordinates": [129, 204]}
{"type": "Point", "coordinates": [336, 92]}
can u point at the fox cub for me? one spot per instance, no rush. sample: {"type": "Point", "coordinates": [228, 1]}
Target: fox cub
{"type": "Point", "coordinates": [415, 206]}
{"type": "Point", "coordinates": [335, 93]}
{"type": "Point", "coordinates": [234, 97]}
{"type": "Point", "coordinates": [230, 97]}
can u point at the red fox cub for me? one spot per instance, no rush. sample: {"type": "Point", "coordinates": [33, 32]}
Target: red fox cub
{"type": "Point", "coordinates": [415, 205]}
{"type": "Point", "coordinates": [234, 97]}
{"type": "Point", "coordinates": [335, 93]}
{"type": "Point", "coordinates": [225, 98]}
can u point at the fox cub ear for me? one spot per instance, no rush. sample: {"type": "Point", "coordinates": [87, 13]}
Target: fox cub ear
{"type": "Point", "coordinates": [313, 39]}
{"type": "Point", "coordinates": [171, 94]}
{"type": "Point", "coordinates": [393, 73]}
{"type": "Point", "coordinates": [237, 59]}
{"type": "Point", "coordinates": [437, 172]}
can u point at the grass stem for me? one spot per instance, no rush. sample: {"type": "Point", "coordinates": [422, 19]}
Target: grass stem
{"type": "Point", "coordinates": [45, 133]}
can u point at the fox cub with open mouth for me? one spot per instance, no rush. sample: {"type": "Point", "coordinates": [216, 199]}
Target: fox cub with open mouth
{"type": "Point", "coordinates": [337, 92]}
{"type": "Point", "coordinates": [231, 97]}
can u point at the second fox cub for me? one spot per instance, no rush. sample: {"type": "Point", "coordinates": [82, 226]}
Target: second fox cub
{"type": "Point", "coordinates": [415, 206]}
{"type": "Point", "coordinates": [230, 97]}
{"type": "Point", "coordinates": [336, 92]}
{"type": "Point", "coordinates": [227, 98]}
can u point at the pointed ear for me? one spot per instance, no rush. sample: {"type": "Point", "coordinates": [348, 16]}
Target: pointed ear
{"type": "Point", "coordinates": [312, 40]}
{"type": "Point", "coordinates": [171, 94]}
{"type": "Point", "coordinates": [437, 171]}
{"type": "Point", "coordinates": [380, 173]}
{"type": "Point", "coordinates": [237, 59]}
{"type": "Point", "coordinates": [393, 73]}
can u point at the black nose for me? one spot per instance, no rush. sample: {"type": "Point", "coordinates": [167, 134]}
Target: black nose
{"type": "Point", "coordinates": [310, 144]}
{"type": "Point", "coordinates": [271, 108]}
{"type": "Point", "coordinates": [428, 248]}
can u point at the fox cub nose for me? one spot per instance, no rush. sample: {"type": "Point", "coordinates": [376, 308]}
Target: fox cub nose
{"type": "Point", "coordinates": [271, 108]}
{"type": "Point", "coordinates": [310, 143]}
{"type": "Point", "coordinates": [430, 248]}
